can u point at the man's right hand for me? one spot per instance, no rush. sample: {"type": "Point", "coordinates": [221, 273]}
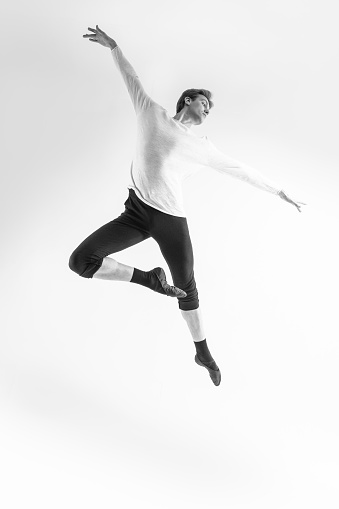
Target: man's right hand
{"type": "Point", "coordinates": [100, 37]}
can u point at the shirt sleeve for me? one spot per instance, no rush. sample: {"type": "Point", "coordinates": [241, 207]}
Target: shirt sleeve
{"type": "Point", "coordinates": [224, 164]}
{"type": "Point", "coordinates": [139, 97]}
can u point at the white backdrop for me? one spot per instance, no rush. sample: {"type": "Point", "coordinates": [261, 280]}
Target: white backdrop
{"type": "Point", "coordinates": [101, 401]}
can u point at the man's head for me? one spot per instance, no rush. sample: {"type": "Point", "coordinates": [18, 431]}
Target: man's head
{"type": "Point", "coordinates": [195, 104]}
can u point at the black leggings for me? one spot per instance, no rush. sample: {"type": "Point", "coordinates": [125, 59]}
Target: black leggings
{"type": "Point", "coordinates": [137, 223]}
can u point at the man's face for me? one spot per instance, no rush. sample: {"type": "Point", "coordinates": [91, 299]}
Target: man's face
{"type": "Point", "coordinates": [199, 109]}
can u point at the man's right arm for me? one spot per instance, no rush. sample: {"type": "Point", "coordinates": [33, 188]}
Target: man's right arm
{"type": "Point", "coordinates": [139, 97]}
{"type": "Point", "coordinates": [135, 89]}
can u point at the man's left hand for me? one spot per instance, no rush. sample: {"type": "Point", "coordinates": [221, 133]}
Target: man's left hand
{"type": "Point", "coordinates": [297, 204]}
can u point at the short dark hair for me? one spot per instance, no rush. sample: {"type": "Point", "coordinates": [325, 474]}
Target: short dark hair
{"type": "Point", "coordinates": [193, 94]}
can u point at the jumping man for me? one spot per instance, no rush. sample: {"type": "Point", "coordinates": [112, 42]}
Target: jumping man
{"type": "Point", "coordinates": [166, 153]}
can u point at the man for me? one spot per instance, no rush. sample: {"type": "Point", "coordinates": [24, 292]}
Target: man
{"type": "Point", "coordinates": [166, 153]}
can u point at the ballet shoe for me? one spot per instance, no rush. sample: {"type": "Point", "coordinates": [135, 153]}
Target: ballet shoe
{"type": "Point", "coordinates": [214, 374]}
{"type": "Point", "coordinates": [170, 291]}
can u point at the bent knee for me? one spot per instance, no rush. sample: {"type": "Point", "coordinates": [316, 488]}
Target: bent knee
{"type": "Point", "coordinates": [76, 262]}
{"type": "Point", "coordinates": [84, 264]}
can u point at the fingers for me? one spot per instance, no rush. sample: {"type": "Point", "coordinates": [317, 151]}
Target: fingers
{"type": "Point", "coordinates": [90, 35]}
{"type": "Point", "coordinates": [298, 205]}
{"type": "Point", "coordinates": [97, 31]}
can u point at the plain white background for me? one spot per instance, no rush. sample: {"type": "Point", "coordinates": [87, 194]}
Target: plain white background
{"type": "Point", "coordinates": [102, 404]}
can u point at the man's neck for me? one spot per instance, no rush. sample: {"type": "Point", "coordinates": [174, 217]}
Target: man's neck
{"type": "Point", "coordinates": [181, 117]}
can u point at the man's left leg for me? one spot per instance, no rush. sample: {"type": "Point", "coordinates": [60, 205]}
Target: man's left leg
{"type": "Point", "coordinates": [172, 235]}
{"type": "Point", "coordinates": [193, 318]}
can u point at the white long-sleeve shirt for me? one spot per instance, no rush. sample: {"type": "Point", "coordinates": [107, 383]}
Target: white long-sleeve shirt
{"type": "Point", "coordinates": [167, 152]}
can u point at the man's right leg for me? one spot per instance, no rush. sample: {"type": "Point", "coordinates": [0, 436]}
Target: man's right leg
{"type": "Point", "coordinates": [90, 259]}
{"type": "Point", "coordinates": [113, 270]}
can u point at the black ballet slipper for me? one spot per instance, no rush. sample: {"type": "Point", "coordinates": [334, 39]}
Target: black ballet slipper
{"type": "Point", "coordinates": [170, 291]}
{"type": "Point", "coordinates": [214, 374]}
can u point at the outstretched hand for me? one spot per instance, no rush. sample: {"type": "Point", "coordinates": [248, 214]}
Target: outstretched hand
{"type": "Point", "coordinates": [297, 204]}
{"type": "Point", "coordinates": [100, 37]}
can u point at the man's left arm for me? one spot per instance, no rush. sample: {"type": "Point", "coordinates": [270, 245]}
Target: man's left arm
{"type": "Point", "coordinates": [227, 165]}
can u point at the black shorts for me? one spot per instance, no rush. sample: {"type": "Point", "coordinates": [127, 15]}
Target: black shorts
{"type": "Point", "coordinates": [139, 222]}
